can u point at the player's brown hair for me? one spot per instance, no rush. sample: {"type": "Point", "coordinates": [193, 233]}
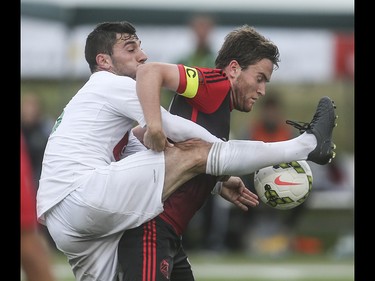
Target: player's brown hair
{"type": "Point", "coordinates": [247, 47]}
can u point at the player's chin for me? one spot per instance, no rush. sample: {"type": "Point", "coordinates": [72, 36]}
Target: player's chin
{"type": "Point", "coordinates": [244, 107]}
{"type": "Point", "coordinates": [248, 107]}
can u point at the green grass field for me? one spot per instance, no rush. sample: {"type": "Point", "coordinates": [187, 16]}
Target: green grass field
{"type": "Point", "coordinates": [239, 267]}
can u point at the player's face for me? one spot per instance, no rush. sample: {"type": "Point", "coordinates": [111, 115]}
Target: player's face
{"type": "Point", "coordinates": [127, 55]}
{"type": "Point", "coordinates": [250, 84]}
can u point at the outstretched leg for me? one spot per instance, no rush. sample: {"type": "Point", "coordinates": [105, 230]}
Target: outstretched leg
{"type": "Point", "coordinates": [242, 157]}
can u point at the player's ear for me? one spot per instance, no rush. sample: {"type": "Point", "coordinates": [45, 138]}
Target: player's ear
{"type": "Point", "coordinates": [103, 61]}
{"type": "Point", "coordinates": [234, 68]}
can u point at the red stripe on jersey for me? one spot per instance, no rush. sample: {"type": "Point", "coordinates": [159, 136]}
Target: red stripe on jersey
{"type": "Point", "coordinates": [149, 251]}
{"type": "Point", "coordinates": [149, 254]}
{"type": "Point", "coordinates": [144, 251]}
{"type": "Point", "coordinates": [182, 86]}
{"type": "Point", "coordinates": [153, 232]}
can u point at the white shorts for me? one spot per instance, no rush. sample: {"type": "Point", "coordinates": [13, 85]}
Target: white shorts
{"type": "Point", "coordinates": [87, 225]}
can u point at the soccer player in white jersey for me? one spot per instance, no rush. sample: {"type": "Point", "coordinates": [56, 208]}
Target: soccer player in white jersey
{"type": "Point", "coordinates": [98, 179]}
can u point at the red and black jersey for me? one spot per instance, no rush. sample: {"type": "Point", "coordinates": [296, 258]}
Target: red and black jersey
{"type": "Point", "coordinates": [203, 96]}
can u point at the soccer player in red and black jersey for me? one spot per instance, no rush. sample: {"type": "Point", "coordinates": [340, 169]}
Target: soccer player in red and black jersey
{"type": "Point", "coordinates": [154, 250]}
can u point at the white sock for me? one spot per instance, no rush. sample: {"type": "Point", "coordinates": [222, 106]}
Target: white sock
{"type": "Point", "coordinates": [243, 157]}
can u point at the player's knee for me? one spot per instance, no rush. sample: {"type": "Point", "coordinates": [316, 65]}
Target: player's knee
{"type": "Point", "coordinates": [194, 151]}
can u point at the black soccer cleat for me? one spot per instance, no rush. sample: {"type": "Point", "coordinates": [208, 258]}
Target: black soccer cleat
{"type": "Point", "coordinates": [322, 125]}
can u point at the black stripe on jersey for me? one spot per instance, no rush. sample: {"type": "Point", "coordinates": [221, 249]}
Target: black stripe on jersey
{"type": "Point", "coordinates": [216, 80]}
{"type": "Point", "coordinates": [213, 76]}
{"type": "Point", "coordinates": [213, 71]}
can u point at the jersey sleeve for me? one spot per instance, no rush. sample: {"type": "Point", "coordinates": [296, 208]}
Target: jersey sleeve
{"type": "Point", "coordinates": [204, 88]}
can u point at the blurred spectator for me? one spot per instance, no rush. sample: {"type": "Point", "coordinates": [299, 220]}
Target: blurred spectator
{"type": "Point", "coordinates": [36, 128]}
{"type": "Point", "coordinates": [202, 27]}
{"type": "Point", "coordinates": [209, 226]}
{"type": "Point", "coordinates": [272, 229]}
{"type": "Point", "coordinates": [332, 177]}
{"type": "Point", "coordinates": [35, 257]}
{"type": "Point", "coordinates": [271, 124]}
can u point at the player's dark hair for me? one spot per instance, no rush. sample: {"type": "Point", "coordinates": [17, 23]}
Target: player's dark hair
{"type": "Point", "coordinates": [102, 39]}
{"type": "Point", "coordinates": [247, 47]}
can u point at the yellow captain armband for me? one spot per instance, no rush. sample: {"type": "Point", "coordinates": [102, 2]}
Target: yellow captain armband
{"type": "Point", "coordinates": [192, 82]}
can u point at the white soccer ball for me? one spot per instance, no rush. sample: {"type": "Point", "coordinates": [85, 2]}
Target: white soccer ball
{"type": "Point", "coordinates": [284, 186]}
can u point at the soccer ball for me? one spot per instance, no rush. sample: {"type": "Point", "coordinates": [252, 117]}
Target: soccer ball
{"type": "Point", "coordinates": [284, 186]}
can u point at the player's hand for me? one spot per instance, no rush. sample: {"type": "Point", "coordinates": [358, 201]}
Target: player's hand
{"type": "Point", "coordinates": [235, 191]}
{"type": "Point", "coordinates": [155, 139]}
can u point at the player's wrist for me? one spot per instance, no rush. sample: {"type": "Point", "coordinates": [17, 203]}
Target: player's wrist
{"type": "Point", "coordinates": [217, 188]}
{"type": "Point", "coordinates": [223, 178]}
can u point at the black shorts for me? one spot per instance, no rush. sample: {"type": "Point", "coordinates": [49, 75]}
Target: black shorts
{"type": "Point", "coordinates": [153, 252]}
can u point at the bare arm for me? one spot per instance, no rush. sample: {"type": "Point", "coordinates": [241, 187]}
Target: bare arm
{"type": "Point", "coordinates": [151, 77]}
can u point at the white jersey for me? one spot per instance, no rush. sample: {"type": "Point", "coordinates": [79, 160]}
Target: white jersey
{"type": "Point", "coordinates": [88, 135]}
{"type": "Point", "coordinates": [92, 132]}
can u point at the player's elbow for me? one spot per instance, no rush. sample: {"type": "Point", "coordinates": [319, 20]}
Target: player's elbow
{"type": "Point", "coordinates": [165, 74]}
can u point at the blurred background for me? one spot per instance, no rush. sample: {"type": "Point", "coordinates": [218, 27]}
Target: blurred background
{"type": "Point", "coordinates": [316, 43]}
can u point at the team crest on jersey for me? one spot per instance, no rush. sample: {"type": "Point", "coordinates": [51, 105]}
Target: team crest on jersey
{"type": "Point", "coordinates": [164, 268]}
